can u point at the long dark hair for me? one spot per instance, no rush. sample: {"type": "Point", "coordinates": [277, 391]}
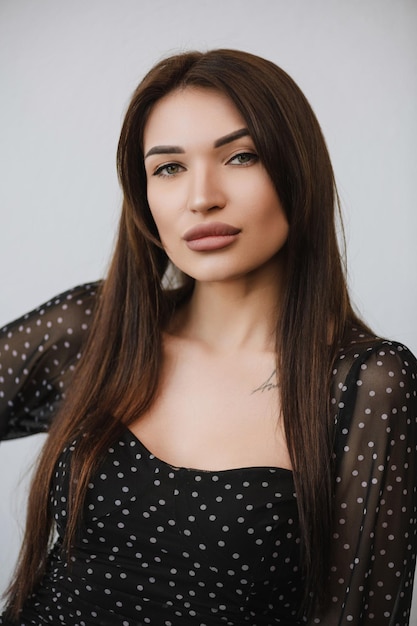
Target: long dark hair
{"type": "Point", "coordinates": [117, 378]}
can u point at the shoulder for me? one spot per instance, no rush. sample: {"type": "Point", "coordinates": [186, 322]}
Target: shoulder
{"type": "Point", "coordinates": [51, 335]}
{"type": "Point", "coordinates": [38, 354]}
{"type": "Point", "coordinates": [70, 308]}
{"type": "Point", "coordinates": [374, 389]}
{"type": "Point", "coordinates": [73, 307]}
{"type": "Point", "coordinates": [366, 358]}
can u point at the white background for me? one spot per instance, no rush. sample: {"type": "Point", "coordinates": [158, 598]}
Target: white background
{"type": "Point", "coordinates": [67, 69]}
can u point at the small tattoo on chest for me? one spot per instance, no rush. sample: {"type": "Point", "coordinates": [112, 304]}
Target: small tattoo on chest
{"type": "Point", "coordinates": [269, 384]}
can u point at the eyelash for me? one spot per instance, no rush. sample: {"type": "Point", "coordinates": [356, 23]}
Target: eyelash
{"type": "Point", "coordinates": [160, 170]}
{"type": "Point", "coordinates": [162, 173]}
{"type": "Point", "coordinates": [253, 158]}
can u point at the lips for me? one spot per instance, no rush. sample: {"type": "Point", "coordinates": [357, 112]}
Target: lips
{"type": "Point", "coordinates": [213, 229]}
{"type": "Point", "coordinates": [211, 236]}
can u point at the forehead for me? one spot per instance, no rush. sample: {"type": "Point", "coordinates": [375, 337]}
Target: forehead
{"type": "Point", "coordinates": [191, 115]}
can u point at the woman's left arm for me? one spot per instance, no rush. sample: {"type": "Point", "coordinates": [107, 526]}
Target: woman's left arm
{"type": "Point", "coordinates": [374, 537]}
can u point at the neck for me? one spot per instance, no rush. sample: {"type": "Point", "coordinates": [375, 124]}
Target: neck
{"type": "Point", "coordinates": [232, 315]}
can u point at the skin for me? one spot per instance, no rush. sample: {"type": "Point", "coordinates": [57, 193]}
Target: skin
{"type": "Point", "coordinates": [218, 404]}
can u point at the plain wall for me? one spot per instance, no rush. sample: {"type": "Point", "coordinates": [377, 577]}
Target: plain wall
{"type": "Point", "coordinates": [67, 70]}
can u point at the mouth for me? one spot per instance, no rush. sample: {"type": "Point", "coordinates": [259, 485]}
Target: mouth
{"type": "Point", "coordinates": [212, 236]}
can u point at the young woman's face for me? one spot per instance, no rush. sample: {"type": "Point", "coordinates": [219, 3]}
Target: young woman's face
{"type": "Point", "coordinates": [215, 207]}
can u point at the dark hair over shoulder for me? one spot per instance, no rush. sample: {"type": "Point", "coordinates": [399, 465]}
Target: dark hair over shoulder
{"type": "Point", "coordinates": [117, 378]}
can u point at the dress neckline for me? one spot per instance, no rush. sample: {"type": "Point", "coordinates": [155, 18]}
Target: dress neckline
{"type": "Point", "coordinates": [255, 468]}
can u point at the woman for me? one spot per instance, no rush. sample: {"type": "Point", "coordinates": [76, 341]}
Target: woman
{"type": "Point", "coordinates": [235, 446]}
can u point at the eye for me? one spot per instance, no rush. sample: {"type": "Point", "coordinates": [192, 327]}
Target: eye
{"type": "Point", "coordinates": [244, 158]}
{"type": "Point", "coordinates": [168, 170]}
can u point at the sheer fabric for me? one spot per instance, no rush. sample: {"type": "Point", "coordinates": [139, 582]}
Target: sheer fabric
{"type": "Point", "coordinates": [374, 400]}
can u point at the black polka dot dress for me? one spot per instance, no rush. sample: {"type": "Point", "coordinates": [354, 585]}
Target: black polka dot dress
{"type": "Point", "coordinates": [170, 546]}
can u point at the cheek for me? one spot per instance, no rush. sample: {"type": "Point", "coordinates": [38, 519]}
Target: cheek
{"type": "Point", "coordinates": [167, 228]}
{"type": "Point", "coordinates": [163, 206]}
{"type": "Point", "coordinates": [154, 204]}
{"type": "Point", "coordinates": [162, 226]}
{"type": "Point", "coordinates": [270, 212]}
{"type": "Point", "coordinates": [273, 222]}
{"type": "Point", "coordinates": [156, 207]}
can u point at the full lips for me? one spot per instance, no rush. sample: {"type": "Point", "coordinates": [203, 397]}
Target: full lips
{"type": "Point", "coordinates": [211, 236]}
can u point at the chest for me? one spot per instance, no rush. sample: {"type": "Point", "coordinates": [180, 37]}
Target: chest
{"type": "Point", "coordinates": [213, 413]}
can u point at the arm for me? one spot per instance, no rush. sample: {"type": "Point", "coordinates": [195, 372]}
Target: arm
{"type": "Point", "coordinates": [38, 354]}
{"type": "Point", "coordinates": [374, 541]}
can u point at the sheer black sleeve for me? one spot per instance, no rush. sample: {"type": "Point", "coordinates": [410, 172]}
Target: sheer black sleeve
{"type": "Point", "coordinates": [374, 540]}
{"type": "Point", "coordinates": [38, 353]}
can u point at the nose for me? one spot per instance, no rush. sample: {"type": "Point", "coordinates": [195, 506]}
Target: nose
{"type": "Point", "coordinates": [205, 190]}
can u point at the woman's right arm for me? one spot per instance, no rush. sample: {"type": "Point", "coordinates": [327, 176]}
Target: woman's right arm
{"type": "Point", "coordinates": [38, 354]}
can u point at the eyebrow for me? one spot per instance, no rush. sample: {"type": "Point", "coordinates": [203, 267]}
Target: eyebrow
{"type": "Point", "coordinates": [222, 141]}
{"type": "Point", "coordinates": [237, 134]}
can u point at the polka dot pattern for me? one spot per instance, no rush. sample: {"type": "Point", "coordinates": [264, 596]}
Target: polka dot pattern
{"type": "Point", "coordinates": [374, 536]}
{"type": "Point", "coordinates": [174, 546]}
{"type": "Point", "coordinates": [163, 545]}
{"type": "Point", "coordinates": [38, 354]}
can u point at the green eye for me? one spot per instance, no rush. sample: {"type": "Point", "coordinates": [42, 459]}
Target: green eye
{"type": "Point", "coordinates": [244, 158]}
{"type": "Point", "coordinates": [169, 169]}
